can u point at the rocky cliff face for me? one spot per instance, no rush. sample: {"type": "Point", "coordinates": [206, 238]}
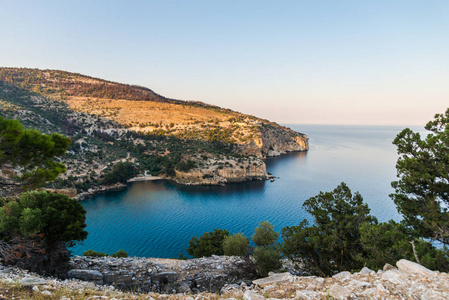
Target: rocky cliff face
{"type": "Point", "coordinates": [276, 140]}
{"type": "Point", "coordinates": [224, 171]}
{"type": "Point", "coordinates": [164, 275]}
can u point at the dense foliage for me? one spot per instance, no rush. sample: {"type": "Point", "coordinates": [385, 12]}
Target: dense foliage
{"type": "Point", "coordinates": [390, 241]}
{"type": "Point", "coordinates": [333, 242]}
{"type": "Point", "coordinates": [267, 255]}
{"type": "Point", "coordinates": [208, 244]}
{"type": "Point", "coordinates": [121, 172]}
{"type": "Point", "coordinates": [422, 192]}
{"type": "Point", "coordinates": [92, 253]}
{"type": "Point", "coordinates": [38, 227]}
{"type": "Point", "coordinates": [236, 245]}
{"type": "Point", "coordinates": [32, 151]}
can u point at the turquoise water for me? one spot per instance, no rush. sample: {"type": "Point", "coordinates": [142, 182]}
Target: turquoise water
{"type": "Point", "coordinates": [158, 218]}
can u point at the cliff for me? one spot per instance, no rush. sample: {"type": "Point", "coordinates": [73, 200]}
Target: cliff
{"type": "Point", "coordinates": [224, 171]}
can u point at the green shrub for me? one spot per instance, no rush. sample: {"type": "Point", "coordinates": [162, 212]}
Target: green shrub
{"type": "Point", "coordinates": [236, 245]}
{"type": "Point", "coordinates": [266, 256]}
{"type": "Point", "coordinates": [266, 260]}
{"type": "Point", "coordinates": [264, 235]}
{"type": "Point", "coordinates": [121, 172]}
{"type": "Point", "coordinates": [93, 253]}
{"type": "Point", "coordinates": [389, 242]}
{"type": "Point", "coordinates": [208, 244]}
{"type": "Point", "coordinates": [120, 253]}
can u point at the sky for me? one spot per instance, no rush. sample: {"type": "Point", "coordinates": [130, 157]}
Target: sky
{"type": "Point", "coordinates": [294, 62]}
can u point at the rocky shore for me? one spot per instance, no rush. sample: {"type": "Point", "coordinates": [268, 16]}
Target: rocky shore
{"type": "Point", "coordinates": [221, 277]}
{"type": "Point", "coordinates": [98, 190]}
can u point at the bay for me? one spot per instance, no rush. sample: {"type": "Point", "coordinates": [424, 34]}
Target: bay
{"type": "Point", "coordinates": [158, 218]}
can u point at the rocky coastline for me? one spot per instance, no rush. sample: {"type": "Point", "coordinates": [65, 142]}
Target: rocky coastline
{"type": "Point", "coordinates": [234, 171]}
{"type": "Point", "coordinates": [221, 277]}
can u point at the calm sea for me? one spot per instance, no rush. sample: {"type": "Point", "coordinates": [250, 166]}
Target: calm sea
{"type": "Point", "coordinates": [158, 218]}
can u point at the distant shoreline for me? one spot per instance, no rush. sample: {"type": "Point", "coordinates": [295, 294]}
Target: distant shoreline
{"type": "Point", "coordinates": [145, 178]}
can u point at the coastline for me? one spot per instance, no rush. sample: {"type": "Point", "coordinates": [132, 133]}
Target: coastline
{"type": "Point", "coordinates": [120, 186]}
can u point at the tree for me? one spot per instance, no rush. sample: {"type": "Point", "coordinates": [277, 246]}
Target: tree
{"type": "Point", "coordinates": [267, 256]}
{"type": "Point", "coordinates": [266, 260]}
{"type": "Point", "coordinates": [121, 172]}
{"type": "Point", "coordinates": [38, 227]}
{"type": "Point", "coordinates": [422, 192]}
{"type": "Point", "coordinates": [208, 244]}
{"type": "Point", "coordinates": [333, 243]}
{"type": "Point", "coordinates": [264, 235]}
{"type": "Point", "coordinates": [236, 245]}
{"type": "Point", "coordinates": [32, 151]}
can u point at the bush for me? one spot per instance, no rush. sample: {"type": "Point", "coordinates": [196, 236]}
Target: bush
{"type": "Point", "coordinates": [208, 244]}
{"type": "Point", "coordinates": [266, 260]}
{"type": "Point", "coordinates": [93, 253]}
{"type": "Point", "coordinates": [264, 235]}
{"type": "Point", "coordinates": [120, 253]}
{"type": "Point", "coordinates": [266, 255]}
{"type": "Point", "coordinates": [121, 172]}
{"type": "Point", "coordinates": [236, 245]}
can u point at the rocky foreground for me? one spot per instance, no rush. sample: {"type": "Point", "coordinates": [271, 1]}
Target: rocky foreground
{"type": "Point", "coordinates": [196, 278]}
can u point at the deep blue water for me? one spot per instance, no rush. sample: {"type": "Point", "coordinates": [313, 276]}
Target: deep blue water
{"type": "Point", "coordinates": [158, 218]}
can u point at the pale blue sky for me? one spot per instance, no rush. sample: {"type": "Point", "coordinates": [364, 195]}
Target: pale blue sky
{"type": "Point", "coordinates": [328, 62]}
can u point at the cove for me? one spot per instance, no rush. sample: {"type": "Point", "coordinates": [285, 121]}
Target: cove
{"type": "Point", "coordinates": [158, 218]}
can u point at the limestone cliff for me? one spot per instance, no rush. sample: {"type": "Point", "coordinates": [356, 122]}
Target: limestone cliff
{"type": "Point", "coordinates": [274, 140]}
{"type": "Point", "coordinates": [224, 171]}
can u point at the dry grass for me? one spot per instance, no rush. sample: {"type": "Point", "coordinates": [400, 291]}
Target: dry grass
{"type": "Point", "coordinates": [135, 112]}
{"type": "Point", "coordinates": [16, 291]}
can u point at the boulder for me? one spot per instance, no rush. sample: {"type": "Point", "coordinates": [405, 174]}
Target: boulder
{"type": "Point", "coordinates": [365, 271]}
{"type": "Point", "coordinates": [166, 277]}
{"type": "Point", "coordinates": [31, 281]}
{"type": "Point", "coordinates": [342, 275]}
{"type": "Point", "coordinates": [306, 295]}
{"type": "Point", "coordinates": [86, 275]}
{"type": "Point", "coordinates": [252, 296]}
{"type": "Point", "coordinates": [413, 268]}
{"type": "Point", "coordinates": [339, 292]}
{"type": "Point", "coordinates": [388, 267]}
{"type": "Point", "coordinates": [273, 279]}
{"type": "Point", "coordinates": [394, 276]}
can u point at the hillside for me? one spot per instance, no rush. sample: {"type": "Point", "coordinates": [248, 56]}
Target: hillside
{"type": "Point", "coordinates": [108, 122]}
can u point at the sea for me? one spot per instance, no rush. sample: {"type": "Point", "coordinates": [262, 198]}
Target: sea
{"type": "Point", "coordinates": [158, 218]}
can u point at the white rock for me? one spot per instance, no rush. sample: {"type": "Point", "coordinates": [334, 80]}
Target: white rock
{"type": "Point", "coordinates": [413, 268]}
{"type": "Point", "coordinates": [369, 292]}
{"type": "Point", "coordinates": [359, 284]}
{"type": "Point", "coordinates": [35, 288]}
{"type": "Point", "coordinates": [342, 275]}
{"type": "Point", "coordinates": [393, 276]}
{"type": "Point", "coordinates": [365, 271]}
{"type": "Point", "coordinates": [306, 295]}
{"type": "Point", "coordinates": [48, 293]}
{"type": "Point", "coordinates": [252, 296]}
{"type": "Point", "coordinates": [339, 292]}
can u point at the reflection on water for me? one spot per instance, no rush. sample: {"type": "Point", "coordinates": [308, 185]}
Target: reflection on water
{"type": "Point", "coordinates": [157, 218]}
